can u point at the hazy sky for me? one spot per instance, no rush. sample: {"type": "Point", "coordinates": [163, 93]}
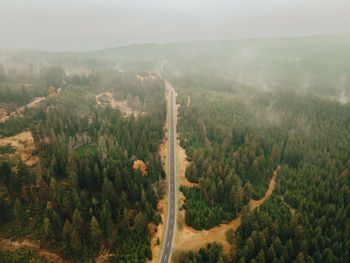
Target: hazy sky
{"type": "Point", "coordinates": [97, 24]}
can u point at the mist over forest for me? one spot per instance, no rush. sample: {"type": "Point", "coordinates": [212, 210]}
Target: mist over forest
{"type": "Point", "coordinates": [184, 151]}
{"type": "Point", "coordinates": [317, 65]}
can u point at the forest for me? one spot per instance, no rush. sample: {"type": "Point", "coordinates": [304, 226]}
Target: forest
{"type": "Point", "coordinates": [249, 110]}
{"type": "Point", "coordinates": [235, 141]}
{"type": "Point", "coordinates": [84, 194]}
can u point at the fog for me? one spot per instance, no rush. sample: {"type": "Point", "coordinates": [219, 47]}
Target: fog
{"type": "Point", "coordinates": [88, 25]}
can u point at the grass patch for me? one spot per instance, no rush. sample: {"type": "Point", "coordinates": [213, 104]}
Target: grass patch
{"type": "Point", "coordinates": [83, 150]}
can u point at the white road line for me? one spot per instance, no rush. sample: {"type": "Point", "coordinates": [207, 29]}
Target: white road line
{"type": "Point", "coordinates": [166, 251]}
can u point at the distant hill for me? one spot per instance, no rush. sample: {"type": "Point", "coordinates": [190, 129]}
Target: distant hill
{"type": "Point", "coordinates": [311, 63]}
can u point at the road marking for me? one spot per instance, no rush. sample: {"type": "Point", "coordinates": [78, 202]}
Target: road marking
{"type": "Point", "coordinates": [166, 252]}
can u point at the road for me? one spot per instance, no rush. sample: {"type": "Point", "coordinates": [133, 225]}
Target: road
{"type": "Point", "coordinates": [168, 244]}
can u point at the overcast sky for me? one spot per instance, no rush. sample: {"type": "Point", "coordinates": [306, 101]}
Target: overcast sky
{"type": "Point", "coordinates": [97, 24]}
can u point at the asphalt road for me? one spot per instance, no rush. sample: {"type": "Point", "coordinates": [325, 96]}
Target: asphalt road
{"type": "Point", "coordinates": [168, 244]}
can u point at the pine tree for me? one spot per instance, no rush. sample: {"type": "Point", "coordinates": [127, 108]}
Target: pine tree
{"type": "Point", "coordinates": [5, 176]}
{"type": "Point", "coordinates": [300, 259]}
{"type": "Point", "coordinates": [47, 233]}
{"type": "Point", "coordinates": [261, 257]}
{"type": "Point", "coordinates": [108, 191]}
{"type": "Point", "coordinates": [17, 211]}
{"type": "Point", "coordinates": [25, 176]}
{"type": "Point", "coordinates": [73, 180]}
{"type": "Point", "coordinates": [140, 222]}
{"type": "Point", "coordinates": [106, 219]}
{"type": "Point", "coordinates": [95, 233]}
{"type": "Point", "coordinates": [212, 193]}
{"type": "Point", "coordinates": [75, 242]}
{"type": "Point", "coordinates": [77, 221]}
{"type": "Point", "coordinates": [123, 225]}
{"type": "Point", "coordinates": [238, 198]}
{"type": "Point", "coordinates": [66, 231]}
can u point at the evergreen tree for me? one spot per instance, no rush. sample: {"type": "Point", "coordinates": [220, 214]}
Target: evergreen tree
{"type": "Point", "coordinates": [77, 221]}
{"type": "Point", "coordinates": [17, 211]}
{"type": "Point", "coordinates": [47, 230]}
{"type": "Point", "coordinates": [106, 220]}
{"type": "Point", "coordinates": [75, 242]}
{"type": "Point", "coordinates": [140, 222]}
{"type": "Point", "coordinates": [95, 233]}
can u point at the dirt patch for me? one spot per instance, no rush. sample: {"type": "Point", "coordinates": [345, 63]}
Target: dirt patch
{"type": "Point", "coordinates": [12, 246]}
{"type": "Point", "coordinates": [53, 92]}
{"type": "Point", "coordinates": [140, 78]}
{"type": "Point", "coordinates": [8, 245]}
{"type": "Point", "coordinates": [192, 239]}
{"type": "Point", "coordinates": [107, 98]}
{"type": "Point", "coordinates": [150, 76]}
{"type": "Point", "coordinates": [23, 143]}
{"type": "Point", "coordinates": [140, 165]}
{"type": "Point", "coordinates": [103, 256]}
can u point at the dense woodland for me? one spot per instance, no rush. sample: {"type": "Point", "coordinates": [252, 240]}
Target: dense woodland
{"type": "Point", "coordinates": [234, 143]}
{"type": "Point", "coordinates": [231, 160]}
{"type": "Point", "coordinates": [247, 107]}
{"type": "Point", "coordinates": [84, 194]}
{"type": "Point", "coordinates": [19, 86]}
{"type": "Point", "coordinates": [210, 253]}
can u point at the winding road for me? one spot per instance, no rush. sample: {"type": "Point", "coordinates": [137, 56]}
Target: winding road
{"type": "Point", "coordinates": [170, 229]}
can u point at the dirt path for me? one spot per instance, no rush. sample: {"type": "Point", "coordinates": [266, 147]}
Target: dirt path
{"type": "Point", "coordinates": [20, 110]}
{"type": "Point", "coordinates": [292, 210]}
{"type": "Point", "coordinates": [12, 246]}
{"type": "Point", "coordinates": [256, 203]}
{"type": "Point", "coordinates": [192, 239]}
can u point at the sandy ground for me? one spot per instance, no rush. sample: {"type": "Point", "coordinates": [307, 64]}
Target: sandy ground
{"type": "Point", "coordinates": [20, 110]}
{"type": "Point", "coordinates": [139, 164]}
{"type": "Point", "coordinates": [24, 144]}
{"type": "Point", "coordinates": [150, 76]}
{"type": "Point", "coordinates": [163, 203]}
{"type": "Point", "coordinates": [8, 245]}
{"type": "Point", "coordinates": [122, 105]}
{"type": "Point", "coordinates": [103, 257]}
